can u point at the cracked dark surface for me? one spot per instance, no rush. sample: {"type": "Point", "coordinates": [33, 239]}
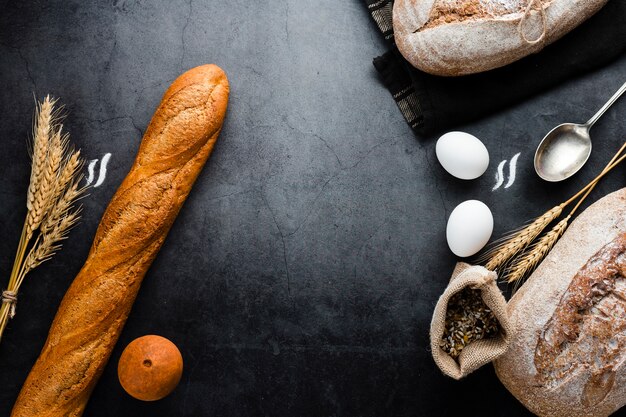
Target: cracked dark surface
{"type": "Point", "coordinates": [301, 275]}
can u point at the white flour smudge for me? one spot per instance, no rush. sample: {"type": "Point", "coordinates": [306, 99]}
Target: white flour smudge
{"type": "Point", "coordinates": [499, 176]}
{"type": "Point", "coordinates": [90, 167]}
{"type": "Point", "coordinates": [492, 7]}
{"type": "Point", "coordinates": [512, 171]}
{"type": "Point", "coordinates": [103, 170]}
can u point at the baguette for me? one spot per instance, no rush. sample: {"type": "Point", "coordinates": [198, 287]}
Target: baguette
{"type": "Point", "coordinates": [566, 357]}
{"type": "Point", "coordinates": [91, 316]}
{"type": "Point", "coordinates": [458, 37]}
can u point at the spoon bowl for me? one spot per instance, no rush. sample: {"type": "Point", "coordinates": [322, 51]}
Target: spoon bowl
{"type": "Point", "coordinates": [563, 152]}
{"type": "Point", "coordinates": [566, 148]}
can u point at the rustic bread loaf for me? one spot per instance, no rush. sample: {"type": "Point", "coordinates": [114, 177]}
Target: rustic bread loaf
{"type": "Point", "coordinates": [457, 37]}
{"type": "Point", "coordinates": [175, 147]}
{"type": "Point", "coordinates": [567, 355]}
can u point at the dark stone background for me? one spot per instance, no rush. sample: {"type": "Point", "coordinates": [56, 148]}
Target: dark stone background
{"type": "Point", "coordinates": [300, 277]}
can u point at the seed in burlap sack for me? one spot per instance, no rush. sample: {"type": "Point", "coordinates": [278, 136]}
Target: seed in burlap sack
{"type": "Point", "coordinates": [468, 319]}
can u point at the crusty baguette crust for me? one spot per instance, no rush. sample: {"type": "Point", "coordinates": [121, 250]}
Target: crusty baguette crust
{"type": "Point", "coordinates": [535, 308]}
{"type": "Point", "coordinates": [175, 147]}
{"type": "Point", "coordinates": [482, 44]}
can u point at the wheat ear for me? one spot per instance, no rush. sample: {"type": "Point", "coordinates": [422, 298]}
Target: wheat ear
{"type": "Point", "coordinates": [60, 218]}
{"type": "Point", "coordinates": [47, 244]}
{"type": "Point", "coordinates": [60, 155]}
{"type": "Point", "coordinates": [47, 157]}
{"type": "Point", "coordinates": [66, 193]}
{"type": "Point", "coordinates": [520, 240]}
{"type": "Point", "coordinates": [523, 265]}
{"type": "Point", "coordinates": [41, 138]}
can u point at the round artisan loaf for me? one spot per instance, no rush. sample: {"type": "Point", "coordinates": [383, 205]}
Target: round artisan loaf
{"type": "Point", "coordinates": [567, 354]}
{"type": "Point", "coordinates": [458, 37]}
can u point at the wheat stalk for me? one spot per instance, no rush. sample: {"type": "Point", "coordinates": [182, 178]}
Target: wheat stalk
{"type": "Point", "coordinates": [55, 227]}
{"type": "Point", "coordinates": [48, 243]}
{"type": "Point", "coordinates": [43, 120]}
{"type": "Point", "coordinates": [37, 189]}
{"type": "Point", "coordinates": [501, 254]}
{"type": "Point", "coordinates": [53, 190]}
{"type": "Point", "coordinates": [67, 193]}
{"type": "Point", "coordinates": [527, 262]}
{"type": "Point", "coordinates": [48, 181]}
{"type": "Point", "coordinates": [59, 155]}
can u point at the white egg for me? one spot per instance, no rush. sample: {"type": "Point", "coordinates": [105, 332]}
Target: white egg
{"type": "Point", "coordinates": [462, 155]}
{"type": "Point", "coordinates": [469, 228]}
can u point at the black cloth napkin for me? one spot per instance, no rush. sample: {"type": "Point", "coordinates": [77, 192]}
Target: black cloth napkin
{"type": "Point", "coordinates": [431, 104]}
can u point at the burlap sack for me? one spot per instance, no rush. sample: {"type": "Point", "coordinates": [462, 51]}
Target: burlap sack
{"type": "Point", "coordinates": [480, 352]}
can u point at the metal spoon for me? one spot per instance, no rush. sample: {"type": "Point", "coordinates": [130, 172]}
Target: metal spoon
{"type": "Point", "coordinates": [566, 148]}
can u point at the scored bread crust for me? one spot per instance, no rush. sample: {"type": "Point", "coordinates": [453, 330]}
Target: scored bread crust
{"type": "Point", "coordinates": [482, 43]}
{"type": "Point", "coordinates": [173, 151]}
{"type": "Point", "coordinates": [535, 308]}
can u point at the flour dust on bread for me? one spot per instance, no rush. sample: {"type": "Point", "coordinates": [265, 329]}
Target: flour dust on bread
{"type": "Point", "coordinates": [456, 11]}
{"type": "Point", "coordinates": [91, 316]}
{"type": "Point", "coordinates": [458, 37]}
{"type": "Point", "coordinates": [567, 357]}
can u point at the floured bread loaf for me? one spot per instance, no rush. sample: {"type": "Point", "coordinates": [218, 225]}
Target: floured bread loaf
{"type": "Point", "coordinates": [457, 37]}
{"type": "Point", "coordinates": [567, 355]}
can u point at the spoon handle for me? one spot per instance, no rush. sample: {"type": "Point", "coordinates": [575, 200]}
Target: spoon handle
{"type": "Point", "coordinates": [604, 108]}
